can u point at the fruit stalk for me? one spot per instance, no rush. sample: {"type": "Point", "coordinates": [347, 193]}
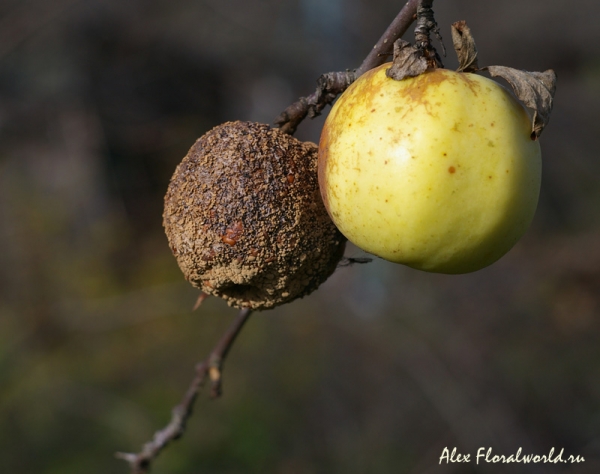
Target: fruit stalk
{"type": "Point", "coordinates": [413, 60]}
{"type": "Point", "coordinates": [426, 25]}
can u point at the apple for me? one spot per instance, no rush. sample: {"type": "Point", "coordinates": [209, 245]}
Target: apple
{"type": "Point", "coordinates": [438, 172]}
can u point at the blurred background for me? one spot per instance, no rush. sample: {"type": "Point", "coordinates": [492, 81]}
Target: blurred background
{"type": "Point", "coordinates": [377, 371]}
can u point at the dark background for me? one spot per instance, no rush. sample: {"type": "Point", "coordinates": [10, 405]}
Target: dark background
{"type": "Point", "coordinates": [377, 371]}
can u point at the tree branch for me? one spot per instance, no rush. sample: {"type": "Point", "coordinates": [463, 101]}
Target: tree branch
{"type": "Point", "coordinates": [384, 46]}
{"type": "Point", "coordinates": [140, 463]}
{"type": "Point", "coordinates": [330, 85]}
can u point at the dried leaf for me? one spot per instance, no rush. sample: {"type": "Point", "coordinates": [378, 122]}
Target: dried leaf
{"type": "Point", "coordinates": [465, 48]}
{"type": "Point", "coordinates": [408, 61]}
{"type": "Point", "coordinates": [535, 89]}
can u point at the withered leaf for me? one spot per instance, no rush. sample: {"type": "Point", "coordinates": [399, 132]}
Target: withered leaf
{"type": "Point", "coordinates": [408, 61]}
{"type": "Point", "coordinates": [465, 48]}
{"type": "Point", "coordinates": [535, 89]}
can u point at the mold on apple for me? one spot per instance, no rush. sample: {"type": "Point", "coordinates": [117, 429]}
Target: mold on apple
{"type": "Point", "coordinates": [244, 218]}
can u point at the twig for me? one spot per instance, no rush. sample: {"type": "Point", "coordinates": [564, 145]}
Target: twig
{"type": "Point", "coordinates": [426, 25]}
{"type": "Point", "coordinates": [413, 60]}
{"type": "Point", "coordinates": [140, 463]}
{"type": "Point", "coordinates": [384, 46]}
{"type": "Point", "coordinates": [330, 85]}
{"type": "Point", "coordinates": [200, 300]}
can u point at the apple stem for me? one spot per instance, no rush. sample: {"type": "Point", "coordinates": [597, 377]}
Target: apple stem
{"type": "Point", "coordinates": [426, 25]}
{"type": "Point", "coordinates": [413, 60]}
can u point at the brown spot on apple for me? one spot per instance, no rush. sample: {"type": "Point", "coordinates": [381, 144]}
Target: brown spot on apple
{"type": "Point", "coordinates": [233, 233]}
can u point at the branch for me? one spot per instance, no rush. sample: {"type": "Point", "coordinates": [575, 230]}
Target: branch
{"type": "Point", "coordinates": [413, 60]}
{"type": "Point", "coordinates": [140, 462]}
{"type": "Point", "coordinates": [330, 85]}
{"type": "Point", "coordinates": [426, 25]}
{"type": "Point", "coordinates": [384, 46]}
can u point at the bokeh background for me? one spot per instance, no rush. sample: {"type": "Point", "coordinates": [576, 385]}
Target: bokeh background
{"type": "Point", "coordinates": [377, 371]}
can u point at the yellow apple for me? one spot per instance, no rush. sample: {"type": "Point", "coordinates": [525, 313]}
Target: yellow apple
{"type": "Point", "coordinates": [437, 172]}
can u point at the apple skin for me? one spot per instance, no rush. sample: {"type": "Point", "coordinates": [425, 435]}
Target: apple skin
{"type": "Point", "coordinates": [437, 172]}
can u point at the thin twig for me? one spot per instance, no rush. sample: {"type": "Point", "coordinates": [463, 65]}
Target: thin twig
{"type": "Point", "coordinates": [201, 297]}
{"type": "Point", "coordinates": [384, 46]}
{"type": "Point", "coordinates": [140, 462]}
{"type": "Point", "coordinates": [330, 85]}
{"type": "Point", "coordinates": [426, 25]}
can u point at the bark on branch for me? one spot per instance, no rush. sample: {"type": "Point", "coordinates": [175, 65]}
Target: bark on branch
{"type": "Point", "coordinates": [141, 462]}
{"type": "Point", "coordinates": [330, 85]}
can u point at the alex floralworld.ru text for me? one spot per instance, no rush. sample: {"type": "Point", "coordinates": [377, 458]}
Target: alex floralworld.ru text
{"type": "Point", "coordinates": [485, 455]}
